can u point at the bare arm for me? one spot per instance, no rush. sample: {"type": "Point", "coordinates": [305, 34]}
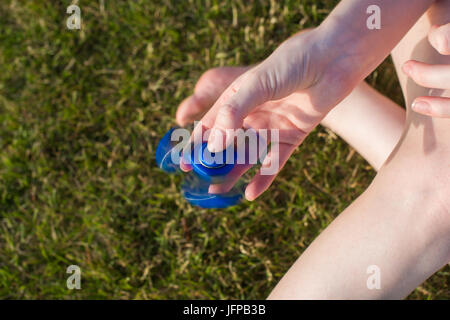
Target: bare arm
{"type": "Point", "coordinates": [359, 49]}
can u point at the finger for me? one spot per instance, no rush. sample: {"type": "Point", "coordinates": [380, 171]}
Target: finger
{"type": "Point", "coordinates": [262, 181]}
{"type": "Point", "coordinates": [199, 134]}
{"type": "Point", "coordinates": [233, 177]}
{"type": "Point", "coordinates": [207, 90]}
{"type": "Point", "coordinates": [432, 106]}
{"type": "Point", "coordinates": [439, 37]}
{"type": "Point", "coordinates": [186, 167]}
{"type": "Point", "coordinates": [190, 109]}
{"type": "Point", "coordinates": [243, 95]}
{"type": "Point", "coordinates": [428, 76]}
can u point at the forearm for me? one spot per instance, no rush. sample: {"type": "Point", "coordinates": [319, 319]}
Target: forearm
{"type": "Point", "coordinates": [358, 50]}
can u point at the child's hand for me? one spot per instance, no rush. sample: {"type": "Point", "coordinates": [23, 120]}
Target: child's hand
{"type": "Point", "coordinates": [295, 115]}
{"type": "Point", "coordinates": [270, 115]}
{"type": "Point", "coordinates": [280, 115]}
{"type": "Point", "coordinates": [304, 78]}
{"type": "Point", "coordinates": [432, 76]}
{"type": "Point", "coordinates": [303, 63]}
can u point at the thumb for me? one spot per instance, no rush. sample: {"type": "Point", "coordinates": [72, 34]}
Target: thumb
{"type": "Point", "coordinates": [236, 102]}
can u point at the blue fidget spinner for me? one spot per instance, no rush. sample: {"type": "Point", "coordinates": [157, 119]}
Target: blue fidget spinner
{"type": "Point", "coordinates": [208, 168]}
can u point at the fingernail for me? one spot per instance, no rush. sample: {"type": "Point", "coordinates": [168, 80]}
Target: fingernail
{"type": "Point", "coordinates": [215, 189]}
{"type": "Point", "coordinates": [215, 141]}
{"type": "Point", "coordinates": [249, 197]}
{"type": "Point", "coordinates": [407, 68]}
{"type": "Point", "coordinates": [186, 167]}
{"type": "Point", "coordinates": [421, 106]}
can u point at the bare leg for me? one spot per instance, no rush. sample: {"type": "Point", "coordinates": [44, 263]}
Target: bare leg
{"type": "Point", "coordinates": [369, 122]}
{"type": "Point", "coordinates": [401, 223]}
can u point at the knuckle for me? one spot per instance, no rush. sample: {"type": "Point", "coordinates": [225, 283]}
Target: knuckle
{"type": "Point", "coordinates": [265, 82]}
{"type": "Point", "coordinates": [209, 81]}
{"type": "Point", "coordinates": [210, 74]}
{"type": "Point", "coordinates": [228, 111]}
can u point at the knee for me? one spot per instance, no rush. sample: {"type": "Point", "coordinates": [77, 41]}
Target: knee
{"type": "Point", "coordinates": [421, 184]}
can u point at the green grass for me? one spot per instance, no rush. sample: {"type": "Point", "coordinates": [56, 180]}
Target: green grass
{"type": "Point", "coordinates": [81, 113]}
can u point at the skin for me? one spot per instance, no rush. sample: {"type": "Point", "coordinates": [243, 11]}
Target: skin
{"type": "Point", "coordinates": [376, 119]}
{"type": "Point", "coordinates": [401, 223]}
{"type": "Point", "coordinates": [432, 76]}
{"type": "Point", "coordinates": [303, 68]}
